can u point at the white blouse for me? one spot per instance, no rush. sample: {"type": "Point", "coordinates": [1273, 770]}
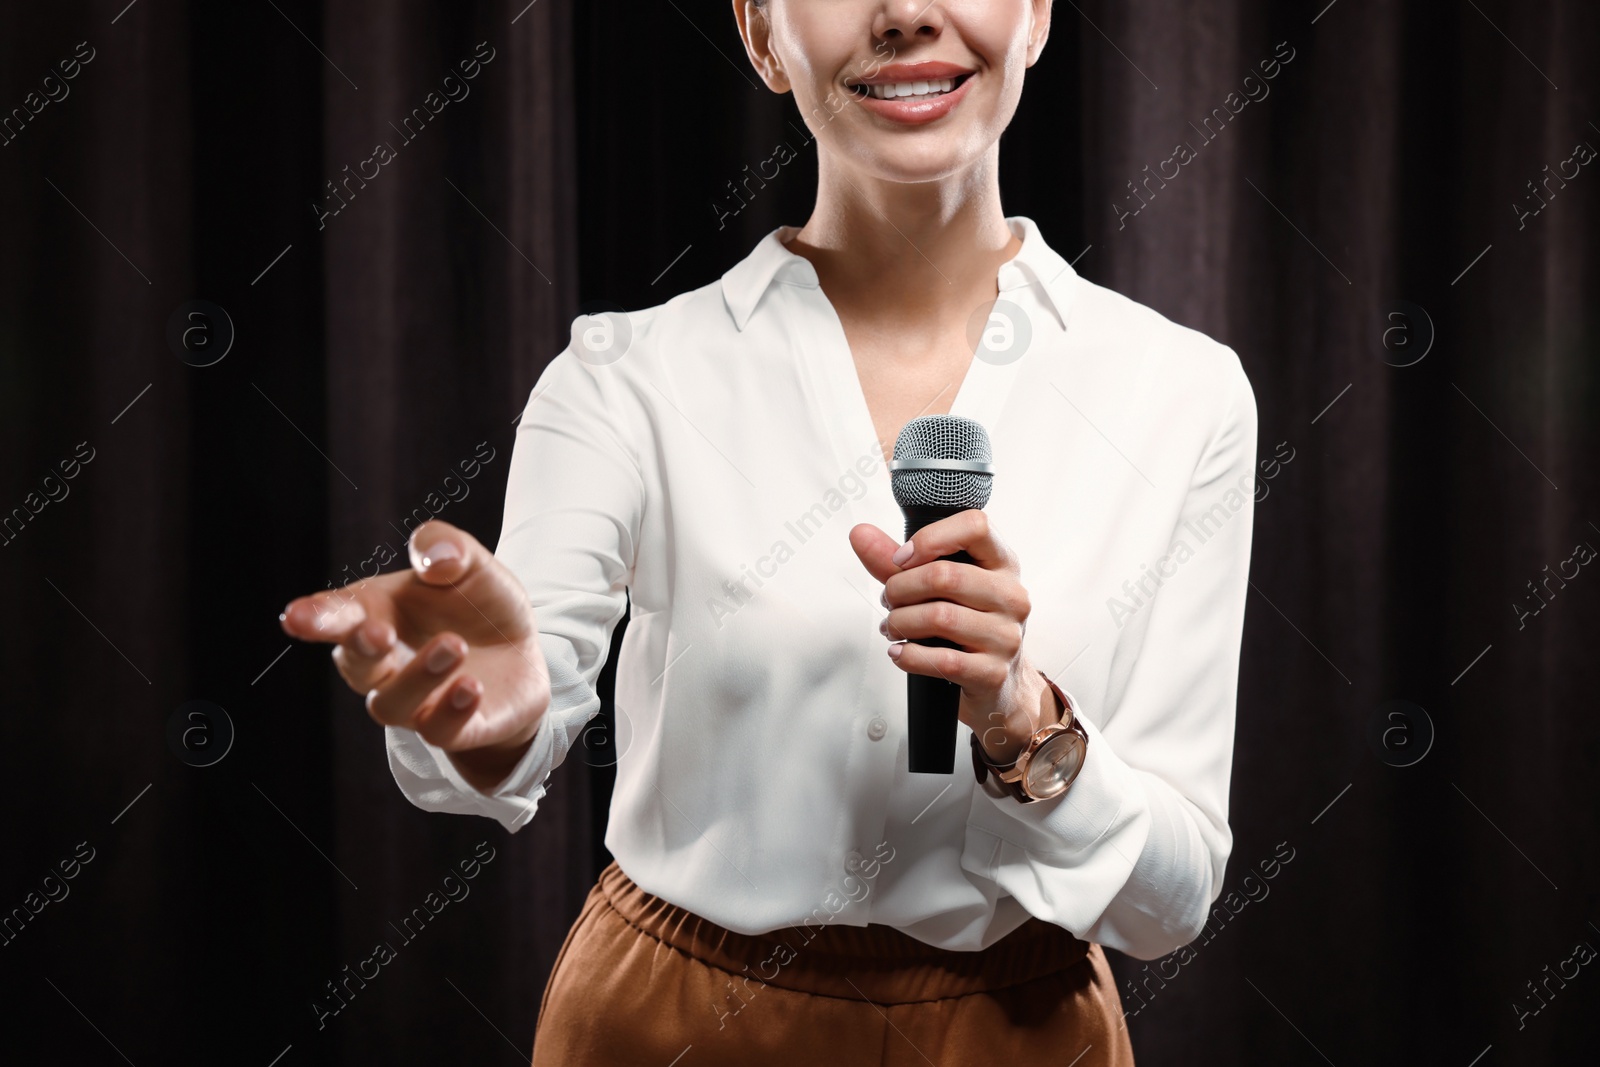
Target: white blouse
{"type": "Point", "coordinates": [709, 456]}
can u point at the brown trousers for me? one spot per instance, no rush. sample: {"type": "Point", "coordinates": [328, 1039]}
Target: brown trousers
{"type": "Point", "coordinates": [641, 981]}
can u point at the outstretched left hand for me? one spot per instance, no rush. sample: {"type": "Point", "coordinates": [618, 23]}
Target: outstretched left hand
{"type": "Point", "coordinates": [981, 606]}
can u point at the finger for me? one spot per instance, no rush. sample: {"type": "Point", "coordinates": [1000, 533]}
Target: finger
{"type": "Point", "coordinates": [443, 554]}
{"type": "Point", "coordinates": [973, 670]}
{"type": "Point", "coordinates": [966, 531]}
{"type": "Point", "coordinates": [447, 556]}
{"type": "Point", "coordinates": [961, 583]}
{"type": "Point", "coordinates": [328, 616]}
{"type": "Point", "coordinates": [466, 714]}
{"type": "Point", "coordinates": [397, 700]}
{"type": "Point", "coordinates": [512, 691]}
{"type": "Point", "coordinates": [875, 549]}
{"type": "Point", "coordinates": [444, 720]}
{"type": "Point", "coordinates": [975, 631]}
{"type": "Point", "coordinates": [368, 655]}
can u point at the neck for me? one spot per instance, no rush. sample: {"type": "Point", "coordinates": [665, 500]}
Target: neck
{"type": "Point", "coordinates": [918, 252]}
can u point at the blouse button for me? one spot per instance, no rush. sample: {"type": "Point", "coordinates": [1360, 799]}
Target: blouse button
{"type": "Point", "coordinates": [877, 728]}
{"type": "Point", "coordinates": [854, 861]}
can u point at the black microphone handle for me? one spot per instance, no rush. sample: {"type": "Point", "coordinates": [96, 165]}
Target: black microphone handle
{"type": "Point", "coordinates": [932, 703]}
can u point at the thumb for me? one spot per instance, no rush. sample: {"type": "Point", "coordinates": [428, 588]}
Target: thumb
{"type": "Point", "coordinates": [443, 554]}
{"type": "Point", "coordinates": [875, 549]}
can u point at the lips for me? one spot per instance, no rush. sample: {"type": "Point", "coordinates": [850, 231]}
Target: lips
{"type": "Point", "coordinates": [913, 93]}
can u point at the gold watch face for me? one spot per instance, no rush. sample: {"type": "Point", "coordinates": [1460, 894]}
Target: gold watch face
{"type": "Point", "coordinates": [1054, 765]}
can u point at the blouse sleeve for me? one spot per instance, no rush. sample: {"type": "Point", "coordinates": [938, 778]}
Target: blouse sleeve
{"type": "Point", "coordinates": [1132, 856]}
{"type": "Point", "coordinates": [574, 501]}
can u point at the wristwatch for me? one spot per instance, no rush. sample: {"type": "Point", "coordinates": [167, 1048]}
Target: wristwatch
{"type": "Point", "coordinates": [1048, 763]}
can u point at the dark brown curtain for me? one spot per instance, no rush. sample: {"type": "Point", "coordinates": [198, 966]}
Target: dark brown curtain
{"type": "Point", "coordinates": [1395, 230]}
{"type": "Point", "coordinates": [450, 278]}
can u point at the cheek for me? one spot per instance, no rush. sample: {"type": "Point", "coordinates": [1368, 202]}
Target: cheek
{"type": "Point", "coordinates": [997, 33]}
{"type": "Point", "coordinates": [1009, 56]}
{"type": "Point", "coordinates": [824, 106]}
{"type": "Point", "coordinates": [817, 45]}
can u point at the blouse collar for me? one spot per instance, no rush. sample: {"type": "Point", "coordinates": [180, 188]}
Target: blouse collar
{"type": "Point", "coordinates": [1035, 263]}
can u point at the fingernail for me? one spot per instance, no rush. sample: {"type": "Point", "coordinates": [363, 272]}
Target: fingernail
{"type": "Point", "coordinates": [364, 643]}
{"type": "Point", "coordinates": [883, 627]}
{"type": "Point", "coordinates": [883, 598]}
{"type": "Point", "coordinates": [903, 553]}
{"type": "Point", "coordinates": [894, 651]}
{"type": "Point", "coordinates": [441, 659]}
{"type": "Point", "coordinates": [461, 698]}
{"type": "Point", "coordinates": [439, 552]}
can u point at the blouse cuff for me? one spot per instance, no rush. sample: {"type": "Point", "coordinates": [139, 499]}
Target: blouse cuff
{"type": "Point", "coordinates": [1106, 800]}
{"type": "Point", "coordinates": [1067, 858]}
{"type": "Point", "coordinates": [427, 776]}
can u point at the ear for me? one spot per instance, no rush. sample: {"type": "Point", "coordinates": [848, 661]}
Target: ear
{"type": "Point", "coordinates": [1041, 30]}
{"type": "Point", "coordinates": [756, 33]}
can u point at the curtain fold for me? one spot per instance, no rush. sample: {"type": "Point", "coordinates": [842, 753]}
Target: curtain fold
{"type": "Point", "coordinates": [451, 277]}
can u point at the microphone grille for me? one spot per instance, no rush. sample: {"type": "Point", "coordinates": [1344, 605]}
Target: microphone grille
{"type": "Point", "coordinates": [949, 437]}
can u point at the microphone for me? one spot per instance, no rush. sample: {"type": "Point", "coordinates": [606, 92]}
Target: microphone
{"type": "Point", "coordinates": [941, 466]}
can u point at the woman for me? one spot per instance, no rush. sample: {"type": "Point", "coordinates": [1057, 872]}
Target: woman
{"type": "Point", "coordinates": [784, 889]}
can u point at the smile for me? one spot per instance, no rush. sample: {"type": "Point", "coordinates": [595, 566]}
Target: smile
{"type": "Point", "coordinates": [928, 89]}
{"type": "Point", "coordinates": [913, 94]}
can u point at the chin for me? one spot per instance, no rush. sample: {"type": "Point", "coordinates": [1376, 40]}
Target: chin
{"type": "Point", "coordinates": [915, 159]}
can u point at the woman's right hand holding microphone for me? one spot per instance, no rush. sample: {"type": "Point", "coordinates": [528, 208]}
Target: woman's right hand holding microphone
{"type": "Point", "coordinates": [448, 648]}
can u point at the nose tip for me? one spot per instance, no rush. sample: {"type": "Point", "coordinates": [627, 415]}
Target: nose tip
{"type": "Point", "coordinates": [917, 18]}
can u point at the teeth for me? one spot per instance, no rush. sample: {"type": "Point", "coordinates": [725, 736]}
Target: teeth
{"type": "Point", "coordinates": [899, 90]}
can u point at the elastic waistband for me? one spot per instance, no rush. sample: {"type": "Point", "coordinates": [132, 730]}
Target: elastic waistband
{"type": "Point", "coordinates": [876, 962]}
